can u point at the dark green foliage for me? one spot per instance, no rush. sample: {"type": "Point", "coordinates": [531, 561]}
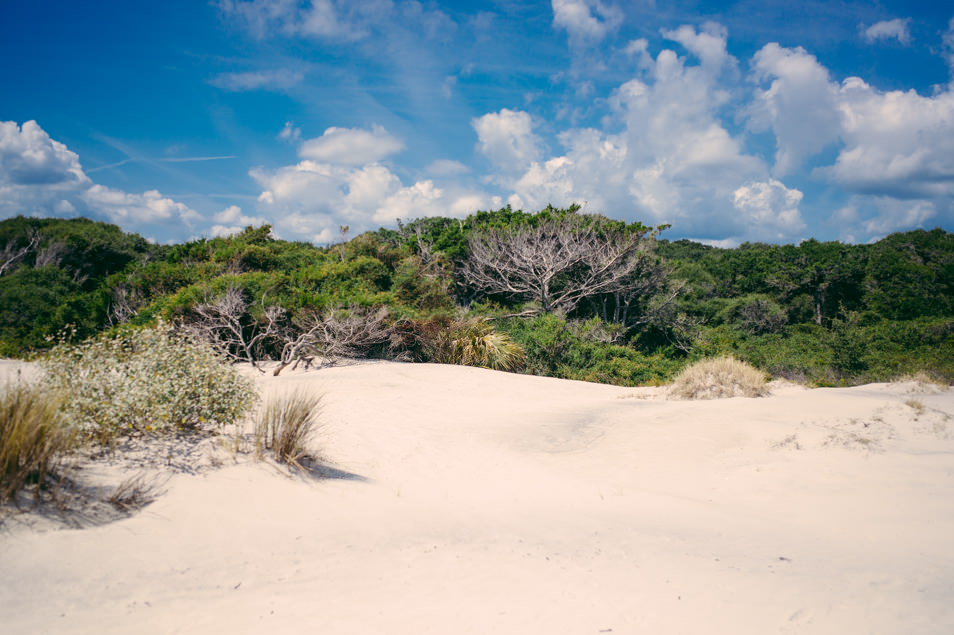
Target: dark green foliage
{"type": "Point", "coordinates": [30, 299]}
{"type": "Point", "coordinates": [823, 312]}
{"type": "Point", "coordinates": [911, 275]}
{"type": "Point", "coordinates": [555, 347]}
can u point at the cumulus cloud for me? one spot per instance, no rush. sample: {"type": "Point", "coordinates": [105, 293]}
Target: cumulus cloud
{"type": "Point", "coordinates": [708, 45]}
{"type": "Point", "coordinates": [232, 220]}
{"type": "Point", "coordinates": [40, 176]}
{"type": "Point", "coordinates": [585, 21]}
{"type": "Point", "coordinates": [340, 182]}
{"type": "Point", "coordinates": [508, 140]}
{"type": "Point", "coordinates": [896, 143]}
{"type": "Point", "coordinates": [280, 79]}
{"type": "Point", "coordinates": [770, 209]}
{"type": "Point", "coordinates": [136, 209]}
{"type": "Point", "coordinates": [29, 157]}
{"type": "Point", "coordinates": [897, 29]}
{"type": "Point", "coordinates": [870, 218]}
{"type": "Point", "coordinates": [800, 105]}
{"type": "Point", "coordinates": [669, 160]}
{"type": "Point", "coordinates": [351, 146]}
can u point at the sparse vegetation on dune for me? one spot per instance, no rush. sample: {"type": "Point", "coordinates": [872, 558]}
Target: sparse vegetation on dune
{"type": "Point", "coordinates": [145, 381]}
{"type": "Point", "coordinates": [285, 426]}
{"type": "Point", "coordinates": [719, 378]}
{"type": "Point", "coordinates": [34, 436]}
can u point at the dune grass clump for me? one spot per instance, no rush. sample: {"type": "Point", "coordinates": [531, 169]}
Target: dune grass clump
{"type": "Point", "coordinates": [718, 378]}
{"type": "Point", "coordinates": [34, 437]}
{"type": "Point", "coordinates": [923, 382]}
{"type": "Point", "coordinates": [476, 343]}
{"type": "Point", "coordinates": [286, 424]}
{"type": "Point", "coordinates": [149, 380]}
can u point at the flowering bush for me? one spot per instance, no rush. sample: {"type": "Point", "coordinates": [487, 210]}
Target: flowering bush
{"type": "Point", "coordinates": [145, 380]}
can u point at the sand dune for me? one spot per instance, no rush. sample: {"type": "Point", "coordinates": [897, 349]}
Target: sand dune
{"type": "Point", "coordinates": [471, 501]}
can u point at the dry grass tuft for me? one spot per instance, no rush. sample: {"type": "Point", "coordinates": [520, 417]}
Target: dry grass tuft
{"type": "Point", "coordinates": [717, 378]}
{"type": "Point", "coordinates": [136, 492]}
{"type": "Point", "coordinates": [34, 437]}
{"type": "Point", "coordinates": [923, 383]}
{"type": "Point", "coordinates": [286, 424]}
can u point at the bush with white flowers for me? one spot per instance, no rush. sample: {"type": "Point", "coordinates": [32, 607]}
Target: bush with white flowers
{"type": "Point", "coordinates": [146, 380]}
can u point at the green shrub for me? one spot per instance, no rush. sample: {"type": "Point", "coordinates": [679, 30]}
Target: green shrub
{"type": "Point", "coordinates": [34, 436]}
{"type": "Point", "coordinates": [476, 343]}
{"type": "Point", "coordinates": [145, 380]}
{"type": "Point", "coordinates": [285, 426]}
{"type": "Point", "coordinates": [720, 377]}
{"type": "Point", "coordinates": [556, 347]}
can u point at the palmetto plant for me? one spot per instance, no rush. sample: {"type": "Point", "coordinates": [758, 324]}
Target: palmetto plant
{"type": "Point", "coordinates": [476, 343]}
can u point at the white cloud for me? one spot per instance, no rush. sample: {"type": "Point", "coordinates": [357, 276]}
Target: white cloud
{"type": "Point", "coordinates": [137, 209]}
{"type": "Point", "coordinates": [708, 45]}
{"type": "Point", "coordinates": [40, 176]}
{"type": "Point", "coordinates": [231, 221]}
{"type": "Point", "coordinates": [335, 20]}
{"type": "Point", "coordinates": [446, 167]}
{"type": "Point", "coordinates": [318, 18]}
{"type": "Point", "coordinates": [29, 157]}
{"type": "Point", "coordinates": [310, 199]}
{"type": "Point", "coordinates": [870, 218]}
{"type": "Point", "coordinates": [897, 29]}
{"type": "Point", "coordinates": [351, 146]}
{"type": "Point", "coordinates": [800, 105]}
{"type": "Point", "coordinates": [290, 133]}
{"type": "Point", "coordinates": [577, 18]}
{"type": "Point", "coordinates": [896, 143]}
{"type": "Point", "coordinates": [668, 160]}
{"type": "Point", "coordinates": [419, 200]}
{"type": "Point", "coordinates": [770, 209]}
{"type": "Point", "coordinates": [890, 143]}
{"type": "Point", "coordinates": [280, 79]}
{"type": "Point", "coordinates": [508, 140]}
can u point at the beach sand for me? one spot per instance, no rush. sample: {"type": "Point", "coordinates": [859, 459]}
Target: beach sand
{"type": "Point", "coordinates": [464, 500]}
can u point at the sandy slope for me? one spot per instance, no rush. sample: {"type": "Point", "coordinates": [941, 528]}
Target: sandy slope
{"type": "Point", "coordinates": [489, 502]}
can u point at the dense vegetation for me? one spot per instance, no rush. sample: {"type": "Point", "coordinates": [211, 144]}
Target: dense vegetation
{"type": "Point", "coordinates": [555, 293]}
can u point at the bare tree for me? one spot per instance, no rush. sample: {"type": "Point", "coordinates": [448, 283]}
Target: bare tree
{"type": "Point", "coordinates": [333, 334]}
{"type": "Point", "coordinates": [12, 254]}
{"type": "Point", "coordinates": [561, 262]}
{"type": "Point", "coordinates": [125, 304]}
{"type": "Point", "coordinates": [52, 254]}
{"type": "Point", "coordinates": [223, 322]}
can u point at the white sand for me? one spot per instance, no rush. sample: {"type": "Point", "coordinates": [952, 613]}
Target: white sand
{"type": "Point", "coordinates": [500, 503]}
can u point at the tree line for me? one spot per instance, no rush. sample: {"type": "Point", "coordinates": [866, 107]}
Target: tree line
{"type": "Point", "coordinates": [556, 292]}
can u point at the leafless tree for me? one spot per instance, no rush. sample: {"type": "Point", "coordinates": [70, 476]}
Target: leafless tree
{"type": "Point", "coordinates": [52, 254]}
{"type": "Point", "coordinates": [223, 322]}
{"type": "Point", "coordinates": [125, 304]}
{"type": "Point", "coordinates": [13, 254]}
{"type": "Point", "coordinates": [562, 262]}
{"type": "Point", "coordinates": [333, 334]}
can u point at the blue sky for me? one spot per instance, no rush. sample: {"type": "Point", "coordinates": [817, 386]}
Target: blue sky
{"type": "Point", "coordinates": [734, 121]}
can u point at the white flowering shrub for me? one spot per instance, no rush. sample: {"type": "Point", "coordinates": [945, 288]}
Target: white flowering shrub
{"type": "Point", "coordinates": [145, 380]}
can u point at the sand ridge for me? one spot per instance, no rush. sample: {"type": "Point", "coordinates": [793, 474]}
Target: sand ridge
{"type": "Point", "coordinates": [473, 501]}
